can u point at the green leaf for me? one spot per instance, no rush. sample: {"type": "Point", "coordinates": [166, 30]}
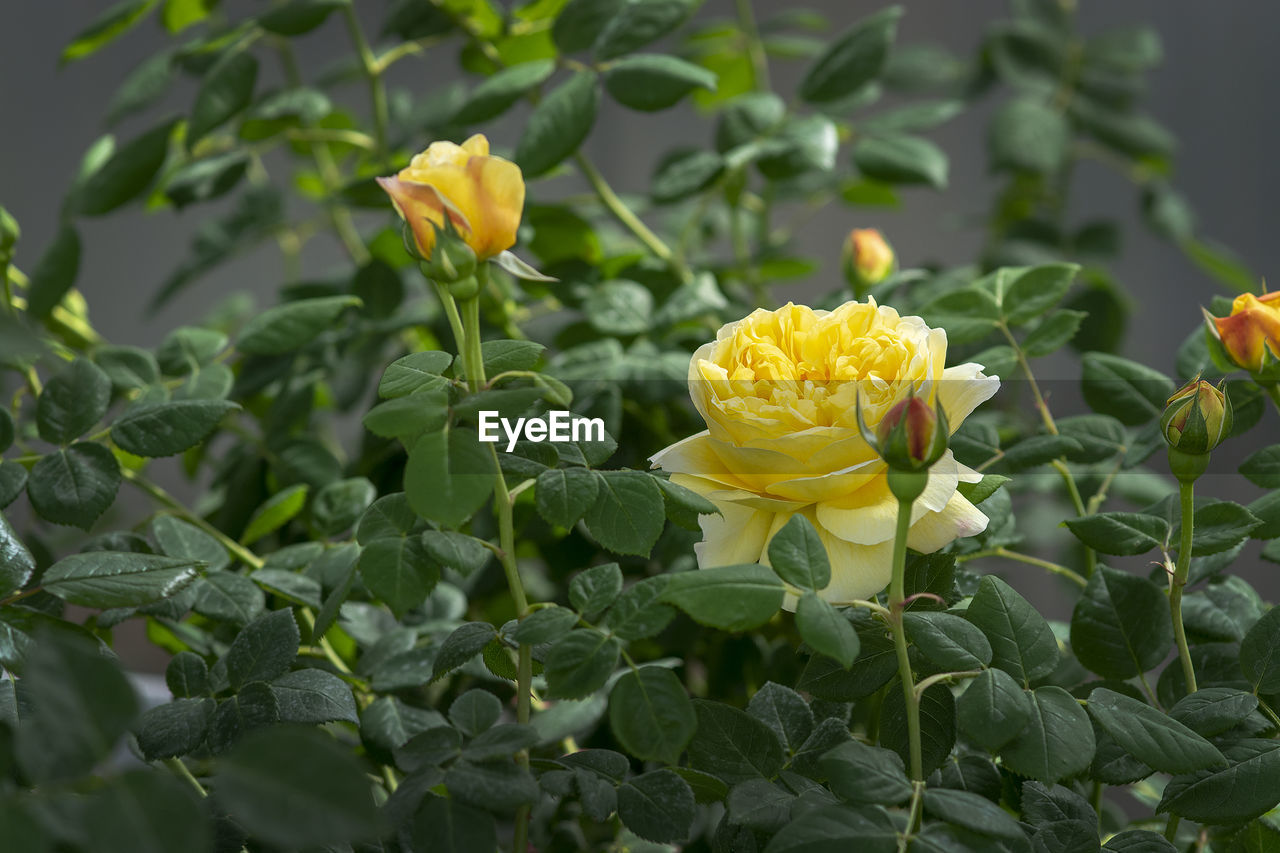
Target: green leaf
{"type": "Point", "coordinates": [657, 806]}
{"type": "Point", "coordinates": [1028, 135]}
{"type": "Point", "coordinates": [1120, 533]}
{"type": "Point", "coordinates": [177, 728]}
{"type": "Point", "coordinates": [503, 355]}
{"type": "Point", "coordinates": [1260, 653]}
{"type": "Point", "coordinates": [638, 613]}
{"type": "Point", "coordinates": [972, 812]}
{"type": "Point", "coordinates": [275, 512]}
{"type": "Point", "coordinates": [74, 486]}
{"type": "Point", "coordinates": [949, 641]}
{"type": "Point", "coordinates": [462, 645]}
{"type": "Point", "coordinates": [170, 428]}
{"type": "Point", "coordinates": [1151, 737]}
{"type": "Point", "coordinates": [449, 476]}
{"type": "Point", "coordinates": [465, 554]}
{"type": "Point", "coordinates": [146, 84]}
{"type": "Point", "coordinates": [838, 827]}
{"type": "Point", "coordinates": [399, 572]}
{"type": "Point", "coordinates": [732, 598]}
{"type": "Point", "coordinates": [826, 679]}
{"type": "Point", "coordinates": [296, 787]}
{"type": "Point", "coordinates": [178, 538]}
{"type": "Point", "coordinates": [114, 22]}
{"type": "Point", "coordinates": [968, 314]}
{"type": "Point", "coordinates": [339, 505]}
{"type": "Point", "coordinates": [580, 663]}
{"type": "Point", "coordinates": [84, 702]}
{"type": "Point", "coordinates": [580, 23]}
{"type": "Point", "coordinates": [129, 368]}
{"type": "Point", "coordinates": [1100, 437]}
{"type": "Point", "coordinates": [206, 178]}
{"type": "Point", "coordinates": [177, 15]}
{"type": "Point", "coordinates": [228, 597]}
{"type": "Point", "coordinates": [627, 517]}
{"type": "Point", "coordinates": [1262, 468]}
{"type": "Point", "coordinates": [680, 175]}
{"type": "Point", "coordinates": [145, 811]}
{"type": "Point", "coordinates": [1120, 626]}
{"type": "Point", "coordinates": [1057, 741]}
{"type": "Point", "coordinates": [798, 556]}
{"type": "Point", "coordinates": [594, 589]}
{"type": "Point", "coordinates": [449, 826]}
{"type": "Point", "coordinates": [55, 273]}
{"type": "Point", "coordinates": [264, 649]}
{"type": "Point", "coordinates": [1036, 290]}
{"type": "Point", "coordinates": [1130, 392]}
{"type": "Point", "coordinates": [389, 515]}
{"type": "Point", "coordinates": [1219, 526]}
{"type": "Point", "coordinates": [937, 725]}
{"type": "Point", "coordinates": [105, 579]}
{"type": "Point", "coordinates": [783, 710]}
{"type": "Point", "coordinates": [475, 711]}
{"type": "Point", "coordinates": [563, 495]}
{"type": "Point", "coordinates": [227, 88]}
{"type": "Point", "coordinates": [1213, 710]}
{"type": "Point", "coordinates": [639, 22]}
{"type": "Point", "coordinates": [650, 82]}
{"type": "Point", "coordinates": [544, 625]}
{"type": "Point", "coordinates": [651, 715]}
{"type": "Point", "coordinates": [314, 696]}
{"type": "Point", "coordinates": [1220, 263]}
{"type": "Point", "coordinates": [993, 709]}
{"type": "Point", "coordinates": [126, 175]}
{"type": "Point", "coordinates": [13, 479]}
{"type": "Point", "coordinates": [498, 786]}
{"type": "Point", "coordinates": [16, 562]}
{"type": "Point", "coordinates": [619, 308]}
{"type": "Point", "coordinates": [1022, 643]}
{"type": "Point", "coordinates": [1248, 787]}
{"type": "Point", "coordinates": [1054, 332]}
{"type": "Point", "coordinates": [852, 60]}
{"type": "Point", "coordinates": [414, 372]}
{"type": "Point", "coordinates": [558, 125]}
{"type": "Point", "coordinates": [188, 348]}
{"type": "Point", "coordinates": [288, 327]}
{"type": "Point", "coordinates": [826, 629]}
{"type": "Point", "coordinates": [498, 93]}
{"type": "Point", "coordinates": [72, 402]}
{"type": "Point", "coordinates": [187, 675]}
{"type": "Point", "coordinates": [298, 17]}
{"type": "Point", "coordinates": [901, 159]}
{"type": "Point", "coordinates": [733, 745]}
{"type": "Point", "coordinates": [865, 774]}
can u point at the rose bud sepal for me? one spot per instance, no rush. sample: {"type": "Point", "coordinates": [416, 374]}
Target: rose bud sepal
{"type": "Point", "coordinates": [1196, 419]}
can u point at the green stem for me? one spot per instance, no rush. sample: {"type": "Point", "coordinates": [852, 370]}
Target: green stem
{"type": "Point", "coordinates": [913, 816]}
{"type": "Point", "coordinates": [455, 320]}
{"type": "Point", "coordinates": [624, 214]}
{"type": "Point", "coordinates": [755, 47]}
{"type": "Point", "coordinates": [1171, 829]}
{"type": "Point", "coordinates": [1186, 493]}
{"type": "Point", "coordinates": [473, 362]}
{"type": "Point", "coordinates": [897, 596]}
{"type": "Point", "coordinates": [233, 547]}
{"type": "Point", "coordinates": [184, 773]}
{"type": "Point", "coordinates": [1053, 568]}
{"type": "Point", "coordinates": [372, 73]}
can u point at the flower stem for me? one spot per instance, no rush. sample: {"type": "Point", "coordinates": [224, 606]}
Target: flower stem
{"type": "Point", "coordinates": [896, 607]}
{"type": "Point", "coordinates": [372, 73]}
{"type": "Point", "coordinates": [1186, 491]}
{"type": "Point", "coordinates": [1053, 568]}
{"type": "Point", "coordinates": [627, 217]}
{"type": "Point", "coordinates": [473, 362]}
{"type": "Point", "coordinates": [755, 47]}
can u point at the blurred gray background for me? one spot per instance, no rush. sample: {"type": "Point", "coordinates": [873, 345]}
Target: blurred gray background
{"type": "Point", "coordinates": [1215, 91]}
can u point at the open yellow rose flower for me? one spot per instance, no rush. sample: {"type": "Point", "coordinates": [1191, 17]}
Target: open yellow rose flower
{"type": "Point", "coordinates": [482, 195]}
{"type": "Point", "coordinates": [777, 391]}
{"type": "Point", "coordinates": [1252, 328]}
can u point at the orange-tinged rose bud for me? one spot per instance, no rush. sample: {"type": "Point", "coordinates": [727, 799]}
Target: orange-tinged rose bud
{"type": "Point", "coordinates": [868, 259]}
{"type": "Point", "coordinates": [1252, 328]}
{"type": "Point", "coordinates": [482, 196]}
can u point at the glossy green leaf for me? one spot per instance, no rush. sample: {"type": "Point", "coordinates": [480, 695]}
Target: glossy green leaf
{"type": "Point", "coordinates": [1022, 643]}
{"type": "Point", "coordinates": [731, 598]}
{"type": "Point", "coordinates": [651, 715]}
{"type": "Point", "coordinates": [558, 125]}
{"type": "Point", "coordinates": [853, 59]}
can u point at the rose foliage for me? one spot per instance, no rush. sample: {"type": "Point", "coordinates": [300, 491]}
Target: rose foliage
{"type": "Point", "coordinates": [813, 561]}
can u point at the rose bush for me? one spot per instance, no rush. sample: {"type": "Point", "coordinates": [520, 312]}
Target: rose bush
{"type": "Point", "coordinates": [862, 602]}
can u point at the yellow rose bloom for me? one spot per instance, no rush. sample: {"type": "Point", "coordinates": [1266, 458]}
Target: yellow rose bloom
{"type": "Point", "coordinates": [1252, 328]}
{"type": "Point", "coordinates": [777, 391]}
{"type": "Point", "coordinates": [482, 195]}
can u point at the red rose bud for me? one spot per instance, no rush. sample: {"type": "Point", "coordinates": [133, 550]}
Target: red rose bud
{"type": "Point", "coordinates": [912, 436]}
{"type": "Point", "coordinates": [867, 259]}
{"type": "Point", "coordinates": [1196, 418]}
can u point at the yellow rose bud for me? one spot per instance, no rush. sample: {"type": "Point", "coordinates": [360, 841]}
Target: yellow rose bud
{"type": "Point", "coordinates": [1252, 328]}
{"type": "Point", "coordinates": [782, 393]}
{"type": "Point", "coordinates": [867, 259]}
{"type": "Point", "coordinates": [483, 196]}
{"type": "Point", "coordinates": [911, 436]}
{"type": "Point", "coordinates": [1196, 418]}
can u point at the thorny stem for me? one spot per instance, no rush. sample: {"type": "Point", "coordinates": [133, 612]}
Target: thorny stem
{"type": "Point", "coordinates": [913, 815]}
{"type": "Point", "coordinates": [896, 607]}
{"type": "Point", "coordinates": [473, 362]}
{"type": "Point", "coordinates": [1186, 493]}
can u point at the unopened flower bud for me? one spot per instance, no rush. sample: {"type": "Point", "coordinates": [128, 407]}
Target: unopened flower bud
{"type": "Point", "coordinates": [910, 437]}
{"type": "Point", "coordinates": [9, 233]}
{"type": "Point", "coordinates": [867, 259]}
{"type": "Point", "coordinates": [1196, 418]}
